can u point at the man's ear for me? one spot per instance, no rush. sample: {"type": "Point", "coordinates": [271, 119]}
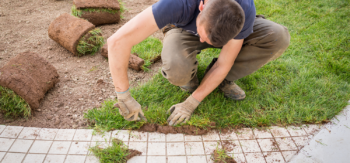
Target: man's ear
{"type": "Point", "coordinates": [201, 6]}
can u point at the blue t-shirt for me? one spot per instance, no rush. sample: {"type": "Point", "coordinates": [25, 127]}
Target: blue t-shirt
{"type": "Point", "coordinates": [183, 14]}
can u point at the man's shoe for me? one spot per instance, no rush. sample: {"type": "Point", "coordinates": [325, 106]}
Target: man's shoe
{"type": "Point", "coordinates": [191, 86]}
{"type": "Point", "coordinates": [232, 90]}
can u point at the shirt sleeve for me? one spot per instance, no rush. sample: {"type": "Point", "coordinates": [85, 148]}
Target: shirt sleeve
{"type": "Point", "coordinates": [248, 24]}
{"type": "Point", "coordinates": [167, 12]}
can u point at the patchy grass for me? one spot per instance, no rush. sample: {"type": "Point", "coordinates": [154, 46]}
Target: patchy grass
{"type": "Point", "coordinates": [118, 152]}
{"type": "Point", "coordinates": [12, 105]}
{"type": "Point", "coordinates": [91, 42]}
{"type": "Point", "coordinates": [309, 83]}
{"type": "Point", "coordinates": [148, 49]}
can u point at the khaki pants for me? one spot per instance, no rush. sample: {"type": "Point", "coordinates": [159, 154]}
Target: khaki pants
{"type": "Point", "coordinates": [268, 41]}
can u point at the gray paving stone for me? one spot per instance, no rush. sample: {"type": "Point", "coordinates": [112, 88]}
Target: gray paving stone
{"type": "Point", "coordinates": [55, 158]}
{"type": "Point", "coordinates": [5, 144]}
{"type": "Point", "coordinates": [29, 133]}
{"type": "Point", "coordinates": [40, 146]}
{"type": "Point", "coordinates": [21, 145]}
{"type": "Point", "coordinates": [11, 132]}
{"type": "Point", "coordinates": [13, 158]}
{"type": "Point", "coordinates": [34, 158]}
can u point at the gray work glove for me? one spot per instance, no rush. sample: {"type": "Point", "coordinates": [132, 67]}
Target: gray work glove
{"type": "Point", "coordinates": [182, 112]}
{"type": "Point", "coordinates": [129, 108]}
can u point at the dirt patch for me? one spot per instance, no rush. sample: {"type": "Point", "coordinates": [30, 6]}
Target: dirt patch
{"type": "Point", "coordinates": [133, 153]}
{"type": "Point", "coordinates": [24, 27]}
{"type": "Point", "coordinates": [100, 17]}
{"type": "Point", "coordinates": [189, 130]}
{"type": "Point", "coordinates": [227, 145]}
{"type": "Point", "coordinates": [67, 31]}
{"type": "Point", "coordinates": [110, 4]}
{"type": "Point", "coordinates": [30, 76]}
{"type": "Point", "coordinates": [217, 159]}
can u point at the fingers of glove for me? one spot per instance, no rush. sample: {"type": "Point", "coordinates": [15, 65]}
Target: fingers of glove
{"type": "Point", "coordinates": [171, 116]}
{"type": "Point", "coordinates": [186, 119]}
{"type": "Point", "coordinates": [142, 116]}
{"type": "Point", "coordinates": [173, 120]}
{"type": "Point", "coordinates": [181, 119]}
{"type": "Point", "coordinates": [123, 108]}
{"type": "Point", "coordinates": [171, 110]}
{"type": "Point", "coordinates": [132, 117]}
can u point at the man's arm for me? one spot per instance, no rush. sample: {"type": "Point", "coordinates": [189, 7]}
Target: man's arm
{"type": "Point", "coordinates": [119, 49]}
{"type": "Point", "coordinates": [121, 42]}
{"type": "Point", "coordinates": [219, 70]}
{"type": "Point", "coordinates": [182, 112]}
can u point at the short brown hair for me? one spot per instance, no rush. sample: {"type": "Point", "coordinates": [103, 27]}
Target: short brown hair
{"type": "Point", "coordinates": [223, 19]}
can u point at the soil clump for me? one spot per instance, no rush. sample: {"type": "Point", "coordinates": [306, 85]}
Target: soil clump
{"type": "Point", "coordinates": [218, 159]}
{"type": "Point", "coordinates": [30, 76]}
{"type": "Point", "coordinates": [189, 130]}
{"type": "Point", "coordinates": [133, 153]}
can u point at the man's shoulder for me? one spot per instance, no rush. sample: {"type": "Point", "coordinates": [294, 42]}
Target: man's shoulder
{"type": "Point", "coordinates": [174, 11]}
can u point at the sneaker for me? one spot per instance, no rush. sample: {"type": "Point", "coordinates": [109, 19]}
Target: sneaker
{"type": "Point", "coordinates": [191, 86]}
{"type": "Point", "coordinates": [232, 90]}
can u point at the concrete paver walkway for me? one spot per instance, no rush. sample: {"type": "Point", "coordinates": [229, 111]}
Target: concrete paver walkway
{"type": "Point", "coordinates": [331, 144]}
{"type": "Point", "coordinates": [37, 145]}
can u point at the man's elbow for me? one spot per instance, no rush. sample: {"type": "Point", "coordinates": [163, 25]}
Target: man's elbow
{"type": "Point", "coordinates": [113, 41]}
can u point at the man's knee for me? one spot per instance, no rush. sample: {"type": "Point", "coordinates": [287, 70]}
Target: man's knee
{"type": "Point", "coordinates": [179, 74]}
{"type": "Point", "coordinates": [278, 41]}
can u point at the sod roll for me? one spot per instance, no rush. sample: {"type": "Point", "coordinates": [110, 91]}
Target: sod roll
{"type": "Point", "coordinates": [97, 12]}
{"type": "Point", "coordinates": [100, 17]}
{"type": "Point", "coordinates": [30, 76]}
{"type": "Point", "coordinates": [135, 62]}
{"type": "Point", "coordinates": [110, 4]}
{"type": "Point", "coordinates": [67, 31]}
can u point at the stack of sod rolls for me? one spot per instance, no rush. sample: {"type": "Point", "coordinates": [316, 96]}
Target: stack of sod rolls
{"type": "Point", "coordinates": [76, 35]}
{"type": "Point", "coordinates": [97, 12]}
{"type": "Point", "coordinates": [24, 81]}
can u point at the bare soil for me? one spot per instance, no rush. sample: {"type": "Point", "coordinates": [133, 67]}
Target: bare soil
{"type": "Point", "coordinates": [24, 27]}
{"type": "Point", "coordinates": [189, 130]}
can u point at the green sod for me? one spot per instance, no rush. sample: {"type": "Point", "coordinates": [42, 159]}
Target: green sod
{"type": "Point", "coordinates": [78, 12]}
{"type": "Point", "coordinates": [12, 105]}
{"type": "Point", "coordinates": [91, 42]}
{"type": "Point", "coordinates": [115, 153]}
{"type": "Point", "coordinates": [309, 83]}
{"type": "Point", "coordinates": [148, 49]}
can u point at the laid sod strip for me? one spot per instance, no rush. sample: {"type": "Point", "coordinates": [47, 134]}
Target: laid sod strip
{"type": "Point", "coordinates": [118, 152]}
{"type": "Point", "coordinates": [309, 83]}
{"type": "Point", "coordinates": [148, 49]}
{"type": "Point", "coordinates": [91, 42]}
{"type": "Point", "coordinates": [12, 105]}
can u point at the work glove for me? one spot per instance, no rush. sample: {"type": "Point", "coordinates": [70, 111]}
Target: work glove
{"type": "Point", "coordinates": [182, 112]}
{"type": "Point", "coordinates": [129, 108]}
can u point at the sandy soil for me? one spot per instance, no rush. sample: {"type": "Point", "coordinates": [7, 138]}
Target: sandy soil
{"type": "Point", "coordinates": [24, 25]}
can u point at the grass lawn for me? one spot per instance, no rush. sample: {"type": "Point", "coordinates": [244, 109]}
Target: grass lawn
{"type": "Point", "coordinates": [309, 83]}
